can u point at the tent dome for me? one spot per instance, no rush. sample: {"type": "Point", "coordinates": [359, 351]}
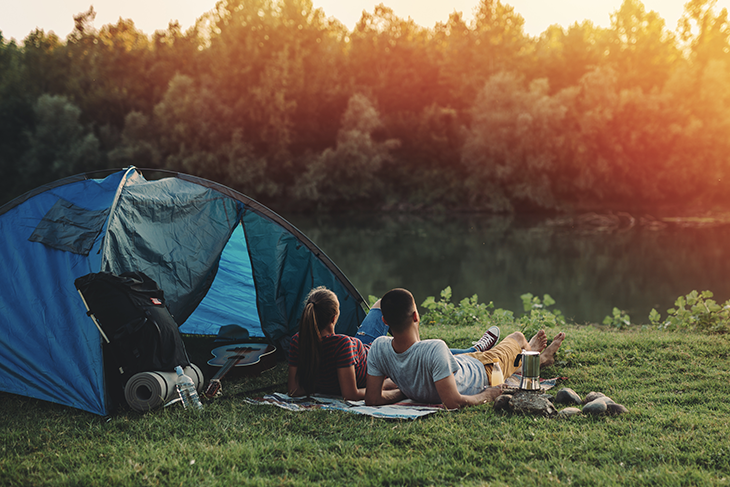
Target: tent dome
{"type": "Point", "coordinates": [220, 257]}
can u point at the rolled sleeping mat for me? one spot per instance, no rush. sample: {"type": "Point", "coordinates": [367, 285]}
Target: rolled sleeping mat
{"type": "Point", "coordinates": [149, 390]}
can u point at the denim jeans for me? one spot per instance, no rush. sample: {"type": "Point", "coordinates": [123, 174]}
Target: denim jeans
{"type": "Point", "coordinates": [372, 327]}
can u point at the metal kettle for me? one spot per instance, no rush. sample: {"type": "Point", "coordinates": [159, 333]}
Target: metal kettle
{"type": "Point", "coordinates": [530, 370]}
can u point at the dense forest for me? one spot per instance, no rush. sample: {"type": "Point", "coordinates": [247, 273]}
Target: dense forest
{"type": "Point", "coordinates": [276, 100]}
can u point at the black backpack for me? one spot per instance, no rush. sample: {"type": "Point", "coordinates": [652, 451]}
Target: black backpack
{"type": "Point", "coordinates": [138, 332]}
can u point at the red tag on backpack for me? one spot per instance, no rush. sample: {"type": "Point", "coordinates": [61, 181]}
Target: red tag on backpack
{"type": "Point", "coordinates": [155, 301]}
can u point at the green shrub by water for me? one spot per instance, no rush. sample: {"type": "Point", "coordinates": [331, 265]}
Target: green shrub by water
{"type": "Point", "coordinates": [675, 383]}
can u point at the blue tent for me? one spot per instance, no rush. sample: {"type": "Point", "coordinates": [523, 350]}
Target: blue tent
{"type": "Point", "coordinates": [220, 257]}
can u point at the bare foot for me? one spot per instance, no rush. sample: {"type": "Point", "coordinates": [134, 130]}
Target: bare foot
{"type": "Point", "coordinates": [547, 358]}
{"type": "Point", "coordinates": [538, 342]}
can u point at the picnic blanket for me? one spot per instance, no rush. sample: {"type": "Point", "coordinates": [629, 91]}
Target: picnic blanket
{"type": "Point", "coordinates": [513, 382]}
{"type": "Point", "coordinates": [406, 409]}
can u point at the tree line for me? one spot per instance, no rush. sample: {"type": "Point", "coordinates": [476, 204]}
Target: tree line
{"type": "Point", "coordinates": [274, 99]}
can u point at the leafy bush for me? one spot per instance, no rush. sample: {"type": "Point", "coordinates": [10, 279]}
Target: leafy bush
{"type": "Point", "coordinates": [537, 316]}
{"type": "Point", "coordinates": [468, 312]}
{"type": "Point", "coordinates": [618, 319]}
{"type": "Point", "coordinates": [695, 311]}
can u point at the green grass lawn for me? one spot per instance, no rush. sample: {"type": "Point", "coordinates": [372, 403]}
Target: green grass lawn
{"type": "Point", "coordinates": [675, 385]}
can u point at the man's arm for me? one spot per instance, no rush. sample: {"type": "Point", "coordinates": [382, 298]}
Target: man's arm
{"type": "Point", "coordinates": [453, 399]}
{"type": "Point", "coordinates": [376, 396]}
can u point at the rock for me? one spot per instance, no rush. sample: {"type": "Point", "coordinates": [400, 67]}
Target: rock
{"type": "Point", "coordinates": [595, 408]}
{"type": "Point", "coordinates": [604, 399]}
{"type": "Point", "coordinates": [531, 403]}
{"type": "Point", "coordinates": [568, 412]}
{"type": "Point", "coordinates": [615, 409]}
{"type": "Point", "coordinates": [592, 396]}
{"type": "Point", "coordinates": [502, 403]}
{"type": "Point", "coordinates": [567, 396]}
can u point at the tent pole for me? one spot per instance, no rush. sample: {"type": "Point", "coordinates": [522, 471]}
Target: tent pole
{"type": "Point", "coordinates": [93, 317]}
{"type": "Point", "coordinates": [104, 263]}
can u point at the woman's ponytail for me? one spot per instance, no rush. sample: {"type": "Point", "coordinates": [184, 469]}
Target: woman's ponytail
{"type": "Point", "coordinates": [319, 310]}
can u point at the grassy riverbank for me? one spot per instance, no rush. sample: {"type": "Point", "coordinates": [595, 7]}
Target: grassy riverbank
{"type": "Point", "coordinates": [675, 385]}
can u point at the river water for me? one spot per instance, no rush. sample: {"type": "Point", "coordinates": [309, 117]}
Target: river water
{"type": "Point", "coordinates": [588, 265]}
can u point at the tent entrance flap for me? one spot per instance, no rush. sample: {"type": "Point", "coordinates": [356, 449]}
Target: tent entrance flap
{"type": "Point", "coordinates": [172, 231]}
{"type": "Point", "coordinates": [231, 299]}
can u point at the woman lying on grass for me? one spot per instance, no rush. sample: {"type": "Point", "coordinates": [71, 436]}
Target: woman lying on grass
{"type": "Point", "coordinates": [322, 361]}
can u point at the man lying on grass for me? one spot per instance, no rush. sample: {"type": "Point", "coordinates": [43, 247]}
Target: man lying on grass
{"type": "Point", "coordinates": [425, 371]}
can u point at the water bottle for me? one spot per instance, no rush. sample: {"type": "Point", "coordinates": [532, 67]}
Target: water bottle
{"type": "Point", "coordinates": [497, 376]}
{"type": "Point", "coordinates": [186, 388]}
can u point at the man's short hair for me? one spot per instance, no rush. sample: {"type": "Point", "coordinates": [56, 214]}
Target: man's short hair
{"type": "Point", "coordinates": [398, 306]}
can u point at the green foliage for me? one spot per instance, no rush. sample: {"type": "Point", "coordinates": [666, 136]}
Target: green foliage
{"type": "Point", "coordinates": [619, 319]}
{"type": "Point", "coordinates": [59, 143]}
{"type": "Point", "coordinates": [349, 171]}
{"type": "Point", "coordinates": [638, 38]}
{"type": "Point", "coordinates": [695, 311]}
{"type": "Point", "coordinates": [277, 100]}
{"type": "Point", "coordinates": [137, 146]}
{"type": "Point", "coordinates": [515, 144]}
{"type": "Point", "coordinates": [16, 116]}
{"type": "Point", "coordinates": [467, 312]}
{"type": "Point", "coordinates": [537, 316]}
{"type": "Point", "coordinates": [185, 133]}
{"type": "Point", "coordinates": [654, 316]}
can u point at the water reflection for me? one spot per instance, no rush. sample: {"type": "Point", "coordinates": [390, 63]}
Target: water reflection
{"type": "Point", "coordinates": [501, 257]}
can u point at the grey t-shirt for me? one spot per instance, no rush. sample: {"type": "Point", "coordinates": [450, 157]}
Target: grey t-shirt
{"type": "Point", "coordinates": [417, 369]}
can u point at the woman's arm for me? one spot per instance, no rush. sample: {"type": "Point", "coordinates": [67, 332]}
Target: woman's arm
{"type": "Point", "coordinates": [348, 384]}
{"type": "Point", "coordinates": [293, 383]}
{"type": "Point", "coordinates": [346, 376]}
